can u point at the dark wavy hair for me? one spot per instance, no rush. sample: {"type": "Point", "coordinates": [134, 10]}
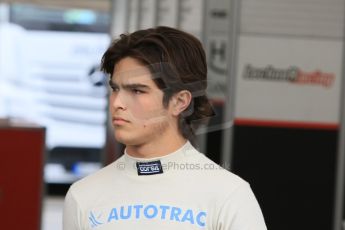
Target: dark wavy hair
{"type": "Point", "coordinates": [178, 58]}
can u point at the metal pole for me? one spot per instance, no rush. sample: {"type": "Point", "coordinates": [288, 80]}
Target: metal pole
{"type": "Point", "coordinates": [339, 186]}
{"type": "Point", "coordinates": [202, 137]}
{"type": "Point", "coordinates": [119, 17]}
{"type": "Point", "coordinates": [178, 16]}
{"type": "Point", "coordinates": [229, 105]}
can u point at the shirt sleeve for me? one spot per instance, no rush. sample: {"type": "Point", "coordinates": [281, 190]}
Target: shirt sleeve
{"type": "Point", "coordinates": [241, 211]}
{"type": "Point", "coordinates": [71, 213]}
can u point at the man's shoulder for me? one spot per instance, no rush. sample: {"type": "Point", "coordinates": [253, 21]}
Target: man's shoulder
{"type": "Point", "coordinates": [97, 179]}
{"type": "Point", "coordinates": [219, 175]}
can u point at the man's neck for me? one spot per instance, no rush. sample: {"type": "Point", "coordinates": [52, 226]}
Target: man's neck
{"type": "Point", "coordinates": [155, 149]}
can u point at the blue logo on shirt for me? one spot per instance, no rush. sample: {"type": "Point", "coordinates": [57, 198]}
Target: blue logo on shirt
{"type": "Point", "coordinates": [94, 221]}
{"type": "Point", "coordinates": [151, 211]}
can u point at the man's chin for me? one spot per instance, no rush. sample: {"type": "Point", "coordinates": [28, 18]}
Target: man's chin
{"type": "Point", "coordinates": [124, 140]}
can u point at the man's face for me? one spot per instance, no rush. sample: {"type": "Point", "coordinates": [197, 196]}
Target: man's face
{"type": "Point", "coordinates": [136, 107]}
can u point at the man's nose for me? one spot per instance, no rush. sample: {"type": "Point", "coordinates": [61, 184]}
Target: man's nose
{"type": "Point", "coordinates": [118, 101]}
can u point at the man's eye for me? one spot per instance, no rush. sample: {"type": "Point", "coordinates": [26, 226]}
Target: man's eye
{"type": "Point", "coordinates": [114, 89]}
{"type": "Point", "coordinates": [137, 91]}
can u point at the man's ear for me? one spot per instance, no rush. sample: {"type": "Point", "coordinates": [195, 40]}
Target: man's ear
{"type": "Point", "coordinates": [180, 102]}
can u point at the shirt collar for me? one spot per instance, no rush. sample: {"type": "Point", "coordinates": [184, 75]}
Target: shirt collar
{"type": "Point", "coordinates": [169, 162]}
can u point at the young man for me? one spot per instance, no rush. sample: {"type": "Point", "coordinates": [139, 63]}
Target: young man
{"type": "Point", "coordinates": [158, 80]}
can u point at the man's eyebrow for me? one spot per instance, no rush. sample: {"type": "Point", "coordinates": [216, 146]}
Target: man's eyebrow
{"type": "Point", "coordinates": [129, 86]}
{"type": "Point", "coordinates": [135, 86]}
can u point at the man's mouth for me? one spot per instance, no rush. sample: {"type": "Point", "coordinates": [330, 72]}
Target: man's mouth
{"type": "Point", "coordinates": [119, 121]}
